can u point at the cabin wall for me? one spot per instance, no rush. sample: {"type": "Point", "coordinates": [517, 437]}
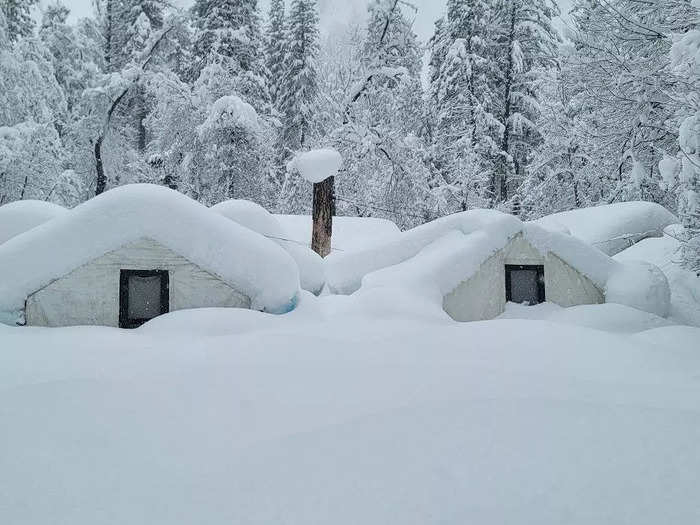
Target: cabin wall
{"type": "Point", "coordinates": [566, 286]}
{"type": "Point", "coordinates": [89, 295]}
{"type": "Point", "coordinates": [483, 295]}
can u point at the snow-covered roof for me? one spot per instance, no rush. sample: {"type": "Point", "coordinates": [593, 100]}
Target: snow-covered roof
{"type": "Point", "coordinates": [611, 227]}
{"type": "Point", "coordinates": [349, 233]}
{"type": "Point", "coordinates": [256, 218]}
{"type": "Point", "coordinates": [20, 216]}
{"type": "Point", "coordinates": [345, 271]}
{"type": "Point", "coordinates": [434, 258]}
{"type": "Point", "coordinates": [243, 259]}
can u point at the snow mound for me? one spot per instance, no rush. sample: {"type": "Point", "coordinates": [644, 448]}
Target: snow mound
{"type": "Point", "coordinates": [612, 227]}
{"type": "Point", "coordinates": [664, 252]}
{"type": "Point", "coordinates": [243, 259]}
{"type": "Point", "coordinates": [20, 216]}
{"type": "Point", "coordinates": [256, 218]}
{"type": "Point", "coordinates": [640, 285]}
{"type": "Point", "coordinates": [317, 165]}
{"type": "Point", "coordinates": [349, 233]}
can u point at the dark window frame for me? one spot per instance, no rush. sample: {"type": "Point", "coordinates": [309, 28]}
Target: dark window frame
{"type": "Point", "coordinates": [540, 279]}
{"type": "Point", "coordinates": [124, 320]}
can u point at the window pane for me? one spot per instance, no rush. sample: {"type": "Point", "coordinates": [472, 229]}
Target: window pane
{"type": "Point", "coordinates": [523, 286]}
{"type": "Point", "coordinates": [144, 296]}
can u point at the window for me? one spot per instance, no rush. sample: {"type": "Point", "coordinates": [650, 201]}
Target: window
{"type": "Point", "coordinates": [525, 283]}
{"type": "Point", "coordinates": [143, 295]}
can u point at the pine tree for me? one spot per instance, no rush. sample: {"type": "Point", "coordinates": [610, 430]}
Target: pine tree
{"type": "Point", "coordinates": [465, 132]}
{"type": "Point", "coordinates": [525, 45]}
{"type": "Point", "coordinates": [227, 33]}
{"type": "Point", "coordinates": [275, 49]}
{"type": "Point", "coordinates": [297, 97]}
{"type": "Point", "coordinates": [300, 89]}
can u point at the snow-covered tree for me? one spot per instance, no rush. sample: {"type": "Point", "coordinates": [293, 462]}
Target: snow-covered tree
{"type": "Point", "coordinates": [525, 47]}
{"type": "Point", "coordinates": [621, 68]}
{"type": "Point", "coordinates": [380, 135]}
{"type": "Point", "coordinates": [685, 167]}
{"type": "Point", "coordinates": [228, 33]}
{"type": "Point", "coordinates": [275, 49]}
{"type": "Point", "coordinates": [18, 18]}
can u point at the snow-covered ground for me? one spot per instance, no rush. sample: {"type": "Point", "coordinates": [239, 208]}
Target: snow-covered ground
{"type": "Point", "coordinates": [547, 415]}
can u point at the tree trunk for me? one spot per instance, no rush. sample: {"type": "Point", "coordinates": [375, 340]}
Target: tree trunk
{"type": "Point", "coordinates": [323, 210]}
{"type": "Point", "coordinates": [101, 182]}
{"type": "Point", "coordinates": [501, 189]}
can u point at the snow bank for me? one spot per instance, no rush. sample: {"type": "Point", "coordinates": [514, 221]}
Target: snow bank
{"type": "Point", "coordinates": [664, 252]}
{"type": "Point", "coordinates": [609, 317]}
{"type": "Point", "coordinates": [19, 216]}
{"type": "Point", "coordinates": [245, 260]}
{"type": "Point", "coordinates": [612, 227]}
{"type": "Point", "coordinates": [349, 233]}
{"type": "Point", "coordinates": [256, 218]}
{"type": "Point", "coordinates": [317, 165]}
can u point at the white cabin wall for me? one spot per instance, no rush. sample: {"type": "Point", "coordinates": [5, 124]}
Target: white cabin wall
{"type": "Point", "coordinates": [89, 295]}
{"type": "Point", "coordinates": [483, 295]}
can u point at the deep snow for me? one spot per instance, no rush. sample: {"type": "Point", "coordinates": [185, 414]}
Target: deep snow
{"type": "Point", "coordinates": [611, 227]}
{"type": "Point", "coordinates": [578, 416]}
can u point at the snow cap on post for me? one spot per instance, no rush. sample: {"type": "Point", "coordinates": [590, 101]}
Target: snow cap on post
{"type": "Point", "coordinates": [316, 165]}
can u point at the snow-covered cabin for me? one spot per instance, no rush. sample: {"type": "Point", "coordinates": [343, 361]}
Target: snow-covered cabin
{"type": "Point", "coordinates": [136, 252]}
{"type": "Point", "coordinates": [472, 263]}
{"type": "Point", "coordinates": [20, 216]}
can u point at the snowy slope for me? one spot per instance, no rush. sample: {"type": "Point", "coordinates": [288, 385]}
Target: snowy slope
{"type": "Point", "coordinates": [20, 216]}
{"type": "Point", "coordinates": [349, 233]}
{"type": "Point", "coordinates": [313, 418]}
{"type": "Point", "coordinates": [664, 252]}
{"type": "Point", "coordinates": [613, 227]}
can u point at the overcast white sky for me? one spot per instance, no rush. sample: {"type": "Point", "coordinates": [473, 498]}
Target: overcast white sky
{"type": "Point", "coordinates": [332, 11]}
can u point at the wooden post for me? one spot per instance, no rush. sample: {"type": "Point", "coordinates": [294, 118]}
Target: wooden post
{"type": "Point", "coordinates": [322, 215]}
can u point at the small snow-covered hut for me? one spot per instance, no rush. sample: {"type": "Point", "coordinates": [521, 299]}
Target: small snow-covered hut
{"type": "Point", "coordinates": [472, 263]}
{"type": "Point", "coordinates": [136, 252]}
{"type": "Point", "coordinates": [20, 216]}
{"type": "Point", "coordinates": [256, 218]}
